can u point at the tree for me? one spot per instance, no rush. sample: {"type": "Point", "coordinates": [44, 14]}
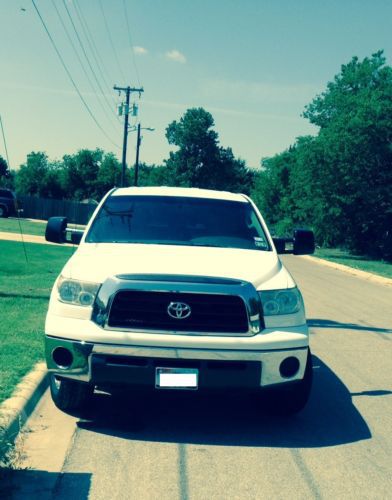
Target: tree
{"type": "Point", "coordinates": [3, 168]}
{"type": "Point", "coordinates": [80, 173]}
{"type": "Point", "coordinates": [30, 176]}
{"type": "Point", "coordinates": [355, 119]}
{"type": "Point", "coordinates": [199, 160]}
{"type": "Point", "coordinates": [340, 181]}
{"type": "Point", "coordinates": [109, 175]}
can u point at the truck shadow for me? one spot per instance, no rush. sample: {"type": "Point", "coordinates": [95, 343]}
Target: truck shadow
{"type": "Point", "coordinates": [42, 485]}
{"type": "Point", "coordinates": [329, 419]}
{"type": "Point", "coordinates": [328, 323]}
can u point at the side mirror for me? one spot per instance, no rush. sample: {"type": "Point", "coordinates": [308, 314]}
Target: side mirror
{"type": "Point", "coordinates": [280, 244]}
{"type": "Point", "coordinates": [303, 242]}
{"type": "Point", "coordinates": [56, 231]}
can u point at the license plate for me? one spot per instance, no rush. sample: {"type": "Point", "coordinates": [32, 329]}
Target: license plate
{"type": "Point", "coordinates": [176, 378]}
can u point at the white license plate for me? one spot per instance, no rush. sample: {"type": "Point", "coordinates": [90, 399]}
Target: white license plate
{"type": "Point", "coordinates": [176, 378]}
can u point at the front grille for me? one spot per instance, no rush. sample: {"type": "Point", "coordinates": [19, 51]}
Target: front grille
{"type": "Point", "coordinates": [148, 310]}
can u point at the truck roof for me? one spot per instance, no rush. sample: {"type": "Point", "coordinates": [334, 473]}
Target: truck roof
{"type": "Point", "coordinates": [179, 191]}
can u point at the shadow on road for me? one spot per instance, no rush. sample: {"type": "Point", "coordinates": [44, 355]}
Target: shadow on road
{"type": "Point", "coordinates": [329, 419]}
{"type": "Point", "coordinates": [328, 323]}
{"type": "Point", "coordinates": [42, 485]}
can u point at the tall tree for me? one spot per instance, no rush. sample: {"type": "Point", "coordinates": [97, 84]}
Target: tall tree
{"type": "Point", "coordinates": [199, 160]}
{"type": "Point", "coordinates": [340, 181]}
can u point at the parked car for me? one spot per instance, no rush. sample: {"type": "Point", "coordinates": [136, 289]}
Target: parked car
{"type": "Point", "coordinates": [8, 203]}
{"type": "Point", "coordinates": [177, 288]}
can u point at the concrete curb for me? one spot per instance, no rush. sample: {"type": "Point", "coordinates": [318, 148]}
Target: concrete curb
{"type": "Point", "coordinates": [16, 410]}
{"type": "Point", "coordinates": [350, 270]}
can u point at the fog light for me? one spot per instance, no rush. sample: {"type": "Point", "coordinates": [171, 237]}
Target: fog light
{"type": "Point", "coordinates": [62, 357]}
{"type": "Point", "coordinates": [289, 367]}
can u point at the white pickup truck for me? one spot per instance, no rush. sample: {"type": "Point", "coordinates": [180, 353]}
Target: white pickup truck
{"type": "Point", "coordinates": [177, 288]}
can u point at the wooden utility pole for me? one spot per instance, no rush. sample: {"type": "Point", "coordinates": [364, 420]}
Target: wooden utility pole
{"type": "Point", "coordinates": [138, 141]}
{"type": "Point", "coordinates": [127, 91]}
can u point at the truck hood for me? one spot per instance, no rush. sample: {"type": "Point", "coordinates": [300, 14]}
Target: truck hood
{"type": "Point", "coordinates": [95, 262]}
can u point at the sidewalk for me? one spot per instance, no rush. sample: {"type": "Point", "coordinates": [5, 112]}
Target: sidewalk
{"type": "Point", "coordinates": [28, 238]}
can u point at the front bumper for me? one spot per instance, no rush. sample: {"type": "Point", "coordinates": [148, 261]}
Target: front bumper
{"type": "Point", "coordinates": [104, 363]}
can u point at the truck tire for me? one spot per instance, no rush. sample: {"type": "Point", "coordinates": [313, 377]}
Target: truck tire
{"type": "Point", "coordinates": [292, 398]}
{"type": "Point", "coordinates": [3, 211]}
{"type": "Point", "coordinates": [71, 396]}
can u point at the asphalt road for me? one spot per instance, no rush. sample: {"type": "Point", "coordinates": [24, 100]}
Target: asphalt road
{"type": "Point", "coordinates": [183, 447]}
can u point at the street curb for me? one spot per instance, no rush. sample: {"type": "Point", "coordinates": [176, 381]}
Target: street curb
{"type": "Point", "coordinates": [15, 411]}
{"type": "Point", "coordinates": [350, 270]}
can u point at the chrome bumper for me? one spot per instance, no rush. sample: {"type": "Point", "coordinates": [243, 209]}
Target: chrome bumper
{"type": "Point", "coordinates": [83, 352]}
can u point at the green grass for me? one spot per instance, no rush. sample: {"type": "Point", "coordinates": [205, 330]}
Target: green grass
{"type": "Point", "coordinates": [356, 261]}
{"type": "Point", "coordinates": [28, 227]}
{"type": "Point", "coordinates": [24, 294]}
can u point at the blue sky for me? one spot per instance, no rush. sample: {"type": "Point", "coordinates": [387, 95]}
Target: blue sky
{"type": "Point", "coordinates": [254, 64]}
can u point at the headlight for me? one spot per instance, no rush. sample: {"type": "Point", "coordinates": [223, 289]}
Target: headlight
{"type": "Point", "coordinates": [277, 302]}
{"type": "Point", "coordinates": [79, 293]}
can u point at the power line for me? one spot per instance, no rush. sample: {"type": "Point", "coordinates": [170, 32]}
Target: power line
{"type": "Point", "coordinates": [86, 56]}
{"type": "Point", "coordinates": [91, 43]}
{"type": "Point", "coordinates": [70, 76]}
{"type": "Point", "coordinates": [111, 41]}
{"type": "Point", "coordinates": [108, 116]}
{"type": "Point", "coordinates": [130, 41]}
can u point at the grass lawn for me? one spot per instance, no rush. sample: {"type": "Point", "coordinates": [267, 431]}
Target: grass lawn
{"type": "Point", "coordinates": [28, 227]}
{"type": "Point", "coordinates": [358, 262]}
{"type": "Point", "coordinates": [24, 293]}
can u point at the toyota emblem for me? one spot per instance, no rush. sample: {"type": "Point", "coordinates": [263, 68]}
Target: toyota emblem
{"type": "Point", "coordinates": [178, 310]}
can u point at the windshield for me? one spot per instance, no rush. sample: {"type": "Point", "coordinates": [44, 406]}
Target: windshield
{"type": "Point", "coordinates": [178, 221]}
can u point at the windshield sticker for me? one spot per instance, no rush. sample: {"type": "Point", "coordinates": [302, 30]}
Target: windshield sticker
{"type": "Point", "coordinates": [260, 242]}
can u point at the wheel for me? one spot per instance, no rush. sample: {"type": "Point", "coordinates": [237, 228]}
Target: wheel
{"type": "Point", "coordinates": [292, 398]}
{"type": "Point", "coordinates": [71, 396]}
{"type": "Point", "coordinates": [3, 211]}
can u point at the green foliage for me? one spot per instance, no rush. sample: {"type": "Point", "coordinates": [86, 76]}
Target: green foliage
{"type": "Point", "coordinates": [80, 173]}
{"type": "Point", "coordinates": [151, 175]}
{"type": "Point", "coordinates": [109, 175]}
{"type": "Point", "coordinates": [340, 181]}
{"type": "Point", "coordinates": [89, 174]}
{"type": "Point", "coordinates": [31, 174]}
{"type": "Point", "coordinates": [84, 175]}
{"type": "Point", "coordinates": [199, 160]}
{"type": "Point", "coordinates": [7, 176]}
{"type": "Point", "coordinates": [3, 167]}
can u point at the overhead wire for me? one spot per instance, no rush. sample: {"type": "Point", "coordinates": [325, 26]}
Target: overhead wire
{"type": "Point", "coordinates": [70, 76]}
{"type": "Point", "coordinates": [110, 117]}
{"type": "Point", "coordinates": [90, 40]}
{"type": "Point", "coordinates": [111, 41]}
{"type": "Point", "coordinates": [86, 56]}
{"type": "Point", "coordinates": [131, 42]}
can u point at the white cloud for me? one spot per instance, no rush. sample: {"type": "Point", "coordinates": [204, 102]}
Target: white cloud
{"type": "Point", "coordinates": [176, 55]}
{"type": "Point", "coordinates": [141, 51]}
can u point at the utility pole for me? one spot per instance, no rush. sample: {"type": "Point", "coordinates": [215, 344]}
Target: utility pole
{"type": "Point", "coordinates": [127, 91]}
{"type": "Point", "coordinates": [138, 141]}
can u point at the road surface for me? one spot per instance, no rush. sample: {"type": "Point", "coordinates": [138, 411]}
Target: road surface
{"type": "Point", "coordinates": [183, 447]}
